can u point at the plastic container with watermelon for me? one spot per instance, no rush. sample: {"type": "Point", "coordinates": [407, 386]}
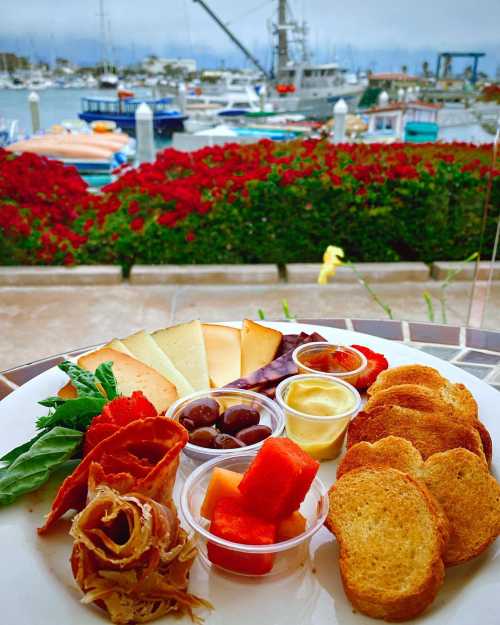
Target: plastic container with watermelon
{"type": "Point", "coordinates": [244, 535]}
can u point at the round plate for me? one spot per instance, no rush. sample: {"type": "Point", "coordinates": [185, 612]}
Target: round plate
{"type": "Point", "coordinates": [36, 585]}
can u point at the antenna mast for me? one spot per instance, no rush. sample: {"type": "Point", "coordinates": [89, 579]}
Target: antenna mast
{"type": "Point", "coordinates": [281, 28]}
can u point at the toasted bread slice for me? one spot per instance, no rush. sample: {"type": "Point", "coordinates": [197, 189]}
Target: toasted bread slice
{"type": "Point", "coordinates": [391, 539]}
{"type": "Point", "coordinates": [469, 496]}
{"type": "Point", "coordinates": [456, 395]}
{"type": "Point", "coordinates": [426, 399]}
{"type": "Point", "coordinates": [467, 493]}
{"type": "Point", "coordinates": [411, 396]}
{"type": "Point", "coordinates": [430, 433]}
{"type": "Point", "coordinates": [391, 451]}
{"type": "Point", "coordinates": [133, 375]}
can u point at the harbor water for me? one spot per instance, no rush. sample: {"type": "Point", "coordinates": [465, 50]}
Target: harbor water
{"type": "Point", "coordinates": [57, 105]}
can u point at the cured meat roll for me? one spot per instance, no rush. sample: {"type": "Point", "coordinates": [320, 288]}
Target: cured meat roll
{"type": "Point", "coordinates": [142, 456]}
{"type": "Point", "coordinates": [131, 557]}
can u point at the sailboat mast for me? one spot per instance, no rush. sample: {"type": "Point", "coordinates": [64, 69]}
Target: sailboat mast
{"type": "Point", "coordinates": [102, 28]}
{"type": "Point", "coordinates": [283, 57]}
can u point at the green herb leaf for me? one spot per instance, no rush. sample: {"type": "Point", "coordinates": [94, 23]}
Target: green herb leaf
{"type": "Point", "coordinates": [104, 374]}
{"type": "Point", "coordinates": [32, 468]}
{"type": "Point", "coordinates": [20, 449]}
{"type": "Point", "coordinates": [74, 413]}
{"type": "Point", "coordinates": [83, 381]}
{"type": "Point", "coordinates": [52, 402]}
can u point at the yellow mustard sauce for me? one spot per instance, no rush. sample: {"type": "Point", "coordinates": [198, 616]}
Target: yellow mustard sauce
{"type": "Point", "coordinates": [324, 399]}
{"type": "Point", "coordinates": [319, 397]}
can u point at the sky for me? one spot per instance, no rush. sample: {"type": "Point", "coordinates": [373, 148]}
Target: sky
{"type": "Point", "coordinates": [350, 28]}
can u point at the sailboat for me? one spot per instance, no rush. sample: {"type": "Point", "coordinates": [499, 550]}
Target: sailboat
{"type": "Point", "coordinates": [107, 80]}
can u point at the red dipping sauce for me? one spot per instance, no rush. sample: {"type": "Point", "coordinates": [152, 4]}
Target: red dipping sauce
{"type": "Point", "coordinates": [330, 360]}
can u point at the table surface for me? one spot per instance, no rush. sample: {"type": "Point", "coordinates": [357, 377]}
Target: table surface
{"type": "Point", "coordinates": [477, 351]}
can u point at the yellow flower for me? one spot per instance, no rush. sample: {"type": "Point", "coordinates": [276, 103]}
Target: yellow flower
{"type": "Point", "coordinates": [331, 260]}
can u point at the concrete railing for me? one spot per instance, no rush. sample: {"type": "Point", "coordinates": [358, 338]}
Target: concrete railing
{"type": "Point", "coordinates": [295, 273]}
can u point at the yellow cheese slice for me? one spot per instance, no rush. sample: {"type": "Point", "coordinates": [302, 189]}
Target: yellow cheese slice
{"type": "Point", "coordinates": [258, 346]}
{"type": "Point", "coordinates": [223, 345]}
{"type": "Point", "coordinates": [133, 375]}
{"type": "Point", "coordinates": [185, 346]}
{"type": "Point", "coordinates": [143, 348]}
{"type": "Point", "coordinates": [118, 346]}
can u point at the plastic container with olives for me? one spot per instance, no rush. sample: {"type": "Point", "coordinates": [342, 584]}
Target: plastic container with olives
{"type": "Point", "coordinates": [225, 421]}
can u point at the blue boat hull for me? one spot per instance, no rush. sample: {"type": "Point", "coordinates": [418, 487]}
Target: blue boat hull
{"type": "Point", "coordinates": [162, 123]}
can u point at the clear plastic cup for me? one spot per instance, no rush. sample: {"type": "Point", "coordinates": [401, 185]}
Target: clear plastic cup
{"type": "Point", "coordinates": [320, 436]}
{"type": "Point", "coordinates": [286, 555]}
{"type": "Point", "coordinates": [309, 349]}
{"type": "Point", "coordinates": [270, 415]}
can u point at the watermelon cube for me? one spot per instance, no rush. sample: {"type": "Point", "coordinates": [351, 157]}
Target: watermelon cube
{"type": "Point", "coordinates": [232, 521]}
{"type": "Point", "coordinates": [277, 481]}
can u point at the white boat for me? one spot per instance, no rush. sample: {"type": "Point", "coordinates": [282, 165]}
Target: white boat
{"type": "Point", "coordinates": [38, 82]}
{"type": "Point", "coordinates": [297, 84]}
{"type": "Point", "coordinates": [108, 81]}
{"type": "Point", "coordinates": [313, 89]}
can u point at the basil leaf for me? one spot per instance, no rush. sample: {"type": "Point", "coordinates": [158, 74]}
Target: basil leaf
{"type": "Point", "coordinates": [31, 469]}
{"type": "Point", "coordinates": [74, 413]}
{"type": "Point", "coordinates": [83, 381]}
{"type": "Point", "coordinates": [52, 402]}
{"type": "Point", "coordinates": [10, 456]}
{"type": "Point", "coordinates": [104, 374]}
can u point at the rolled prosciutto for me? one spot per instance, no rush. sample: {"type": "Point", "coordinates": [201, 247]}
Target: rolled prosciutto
{"type": "Point", "coordinates": [142, 456]}
{"type": "Point", "coordinates": [131, 557]}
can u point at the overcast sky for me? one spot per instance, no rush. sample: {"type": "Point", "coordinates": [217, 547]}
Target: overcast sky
{"type": "Point", "coordinates": [161, 24]}
{"type": "Point", "coordinates": [374, 23]}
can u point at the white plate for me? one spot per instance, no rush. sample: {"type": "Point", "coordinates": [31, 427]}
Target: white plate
{"type": "Point", "coordinates": [37, 588]}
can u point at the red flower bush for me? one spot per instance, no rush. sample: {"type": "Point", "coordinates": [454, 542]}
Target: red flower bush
{"type": "Point", "coordinates": [265, 202]}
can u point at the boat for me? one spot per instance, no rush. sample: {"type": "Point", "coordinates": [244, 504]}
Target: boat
{"type": "Point", "coordinates": [122, 111]}
{"type": "Point", "coordinates": [296, 84]}
{"type": "Point", "coordinates": [92, 154]}
{"type": "Point", "coordinates": [108, 81]}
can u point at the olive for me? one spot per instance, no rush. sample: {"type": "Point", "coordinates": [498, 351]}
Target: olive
{"type": "Point", "coordinates": [202, 412]}
{"type": "Point", "coordinates": [189, 424]}
{"type": "Point", "coordinates": [236, 418]}
{"type": "Point", "coordinates": [254, 434]}
{"type": "Point", "coordinates": [203, 437]}
{"type": "Point", "coordinates": [226, 441]}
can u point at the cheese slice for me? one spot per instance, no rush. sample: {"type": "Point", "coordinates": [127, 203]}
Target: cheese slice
{"type": "Point", "coordinates": [185, 346]}
{"type": "Point", "coordinates": [223, 345]}
{"type": "Point", "coordinates": [118, 346]}
{"type": "Point", "coordinates": [258, 346]}
{"type": "Point", "coordinates": [133, 375]}
{"type": "Point", "coordinates": [144, 348]}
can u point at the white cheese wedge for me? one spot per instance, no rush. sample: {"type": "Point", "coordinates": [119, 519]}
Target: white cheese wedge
{"type": "Point", "coordinates": [144, 348]}
{"type": "Point", "coordinates": [185, 346]}
{"type": "Point", "coordinates": [223, 345]}
{"type": "Point", "coordinates": [131, 375]}
{"type": "Point", "coordinates": [258, 346]}
{"type": "Point", "coordinates": [118, 346]}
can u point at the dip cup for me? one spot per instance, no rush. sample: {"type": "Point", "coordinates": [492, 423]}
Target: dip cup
{"type": "Point", "coordinates": [286, 556]}
{"type": "Point", "coordinates": [309, 349]}
{"type": "Point", "coordinates": [320, 436]}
